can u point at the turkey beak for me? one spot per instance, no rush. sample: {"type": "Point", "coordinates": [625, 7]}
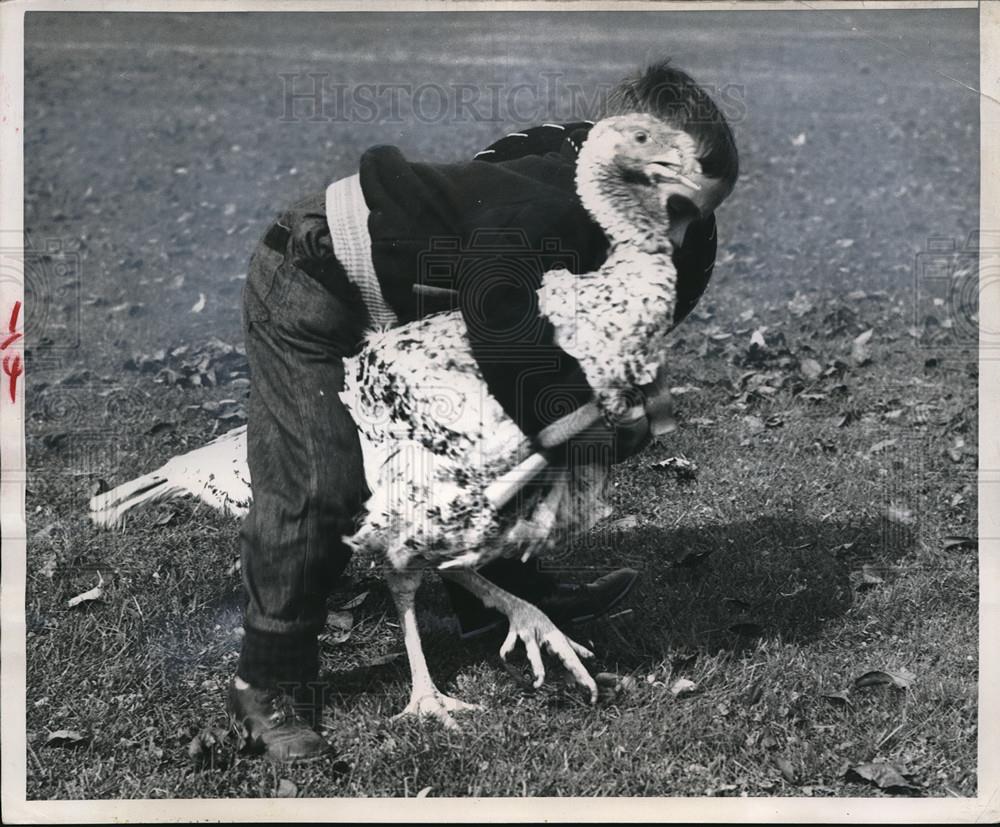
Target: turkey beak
{"type": "Point", "coordinates": [687, 182]}
{"type": "Point", "coordinates": [666, 171]}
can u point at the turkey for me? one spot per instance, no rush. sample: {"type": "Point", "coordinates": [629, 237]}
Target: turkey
{"type": "Point", "coordinates": [443, 460]}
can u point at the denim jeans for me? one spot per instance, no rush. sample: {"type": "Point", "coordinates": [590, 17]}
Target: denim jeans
{"type": "Point", "coordinates": [302, 445]}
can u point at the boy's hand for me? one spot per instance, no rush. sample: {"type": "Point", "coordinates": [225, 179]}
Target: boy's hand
{"type": "Point", "coordinates": [628, 433]}
{"type": "Point", "coordinates": [656, 419]}
{"type": "Point", "coordinates": [632, 437]}
{"type": "Point", "coordinates": [626, 439]}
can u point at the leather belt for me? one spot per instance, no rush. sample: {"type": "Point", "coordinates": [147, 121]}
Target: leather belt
{"type": "Point", "coordinates": [276, 237]}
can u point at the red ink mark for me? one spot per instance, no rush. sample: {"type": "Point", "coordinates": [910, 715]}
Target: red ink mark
{"type": "Point", "coordinates": [13, 369]}
{"type": "Point", "coordinates": [12, 365]}
{"type": "Point", "coordinates": [12, 327]}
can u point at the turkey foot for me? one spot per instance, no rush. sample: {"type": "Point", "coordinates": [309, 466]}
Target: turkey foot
{"type": "Point", "coordinates": [529, 625]}
{"type": "Point", "coordinates": [425, 697]}
{"type": "Point", "coordinates": [438, 705]}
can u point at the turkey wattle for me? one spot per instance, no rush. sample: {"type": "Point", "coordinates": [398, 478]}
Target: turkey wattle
{"type": "Point", "coordinates": [434, 439]}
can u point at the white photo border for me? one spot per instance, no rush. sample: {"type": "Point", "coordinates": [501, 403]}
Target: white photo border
{"type": "Point", "coordinates": [15, 809]}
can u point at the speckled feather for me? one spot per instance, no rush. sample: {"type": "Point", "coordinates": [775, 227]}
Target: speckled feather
{"type": "Point", "coordinates": [433, 439]}
{"type": "Point", "coordinates": [622, 345]}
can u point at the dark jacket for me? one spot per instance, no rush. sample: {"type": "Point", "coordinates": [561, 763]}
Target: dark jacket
{"type": "Point", "coordinates": [489, 229]}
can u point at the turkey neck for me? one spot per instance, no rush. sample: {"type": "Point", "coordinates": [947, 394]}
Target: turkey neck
{"type": "Point", "coordinates": [617, 207]}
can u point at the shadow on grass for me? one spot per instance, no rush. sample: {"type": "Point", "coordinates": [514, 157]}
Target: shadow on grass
{"type": "Point", "coordinates": [724, 587]}
{"type": "Point", "coordinates": [708, 589]}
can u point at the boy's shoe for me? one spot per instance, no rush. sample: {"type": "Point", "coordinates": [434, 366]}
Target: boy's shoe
{"type": "Point", "coordinates": [272, 724]}
{"type": "Point", "coordinates": [565, 605]}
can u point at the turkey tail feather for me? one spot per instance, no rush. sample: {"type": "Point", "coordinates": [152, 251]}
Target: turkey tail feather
{"type": "Point", "coordinates": [216, 474]}
{"type": "Point", "coordinates": [107, 509]}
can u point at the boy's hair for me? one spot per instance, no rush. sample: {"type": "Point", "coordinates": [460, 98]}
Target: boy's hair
{"type": "Point", "coordinates": [673, 96]}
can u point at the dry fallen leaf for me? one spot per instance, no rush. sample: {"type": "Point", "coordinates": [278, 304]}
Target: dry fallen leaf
{"type": "Point", "coordinates": [206, 749]}
{"type": "Point", "coordinates": [607, 679]}
{"type": "Point", "coordinates": [200, 304]}
{"type": "Point", "coordinates": [955, 541]}
{"type": "Point", "coordinates": [683, 687]}
{"type": "Point", "coordinates": [799, 305]}
{"type": "Point", "coordinates": [520, 675]}
{"type": "Point", "coordinates": [340, 625]}
{"type": "Point", "coordinates": [340, 620]}
{"type": "Point", "coordinates": [354, 602]}
{"type": "Point", "coordinates": [48, 568]}
{"type": "Point", "coordinates": [608, 692]}
{"type": "Point", "coordinates": [93, 594]}
{"type": "Point", "coordinates": [66, 738]}
{"type": "Point", "coordinates": [955, 453]}
{"type": "Point", "coordinates": [681, 468]}
{"type": "Point", "coordinates": [625, 523]}
{"type": "Point", "coordinates": [286, 789]}
{"type": "Point", "coordinates": [721, 790]}
{"type": "Point", "coordinates": [884, 776]}
{"type": "Point", "coordinates": [787, 770]}
{"type": "Point", "coordinates": [424, 792]}
{"type": "Point", "coordinates": [901, 678]}
{"type": "Point", "coordinates": [839, 697]}
{"type": "Point", "coordinates": [165, 518]}
{"type": "Point", "coordinates": [382, 660]}
{"type": "Point", "coordinates": [900, 515]}
{"type": "Point", "coordinates": [692, 559]}
{"type": "Point", "coordinates": [879, 447]}
{"type": "Point", "coordinates": [846, 419]}
{"type": "Point", "coordinates": [868, 578]}
{"type": "Point", "coordinates": [810, 369]}
{"type": "Point", "coordinates": [860, 354]}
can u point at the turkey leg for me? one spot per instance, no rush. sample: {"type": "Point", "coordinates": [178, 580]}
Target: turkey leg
{"type": "Point", "coordinates": [425, 697]}
{"type": "Point", "coordinates": [531, 626]}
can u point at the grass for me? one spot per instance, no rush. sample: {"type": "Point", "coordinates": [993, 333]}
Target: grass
{"type": "Point", "coordinates": [753, 588]}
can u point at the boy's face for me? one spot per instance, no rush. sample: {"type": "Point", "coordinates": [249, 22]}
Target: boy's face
{"type": "Point", "coordinates": [685, 204]}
